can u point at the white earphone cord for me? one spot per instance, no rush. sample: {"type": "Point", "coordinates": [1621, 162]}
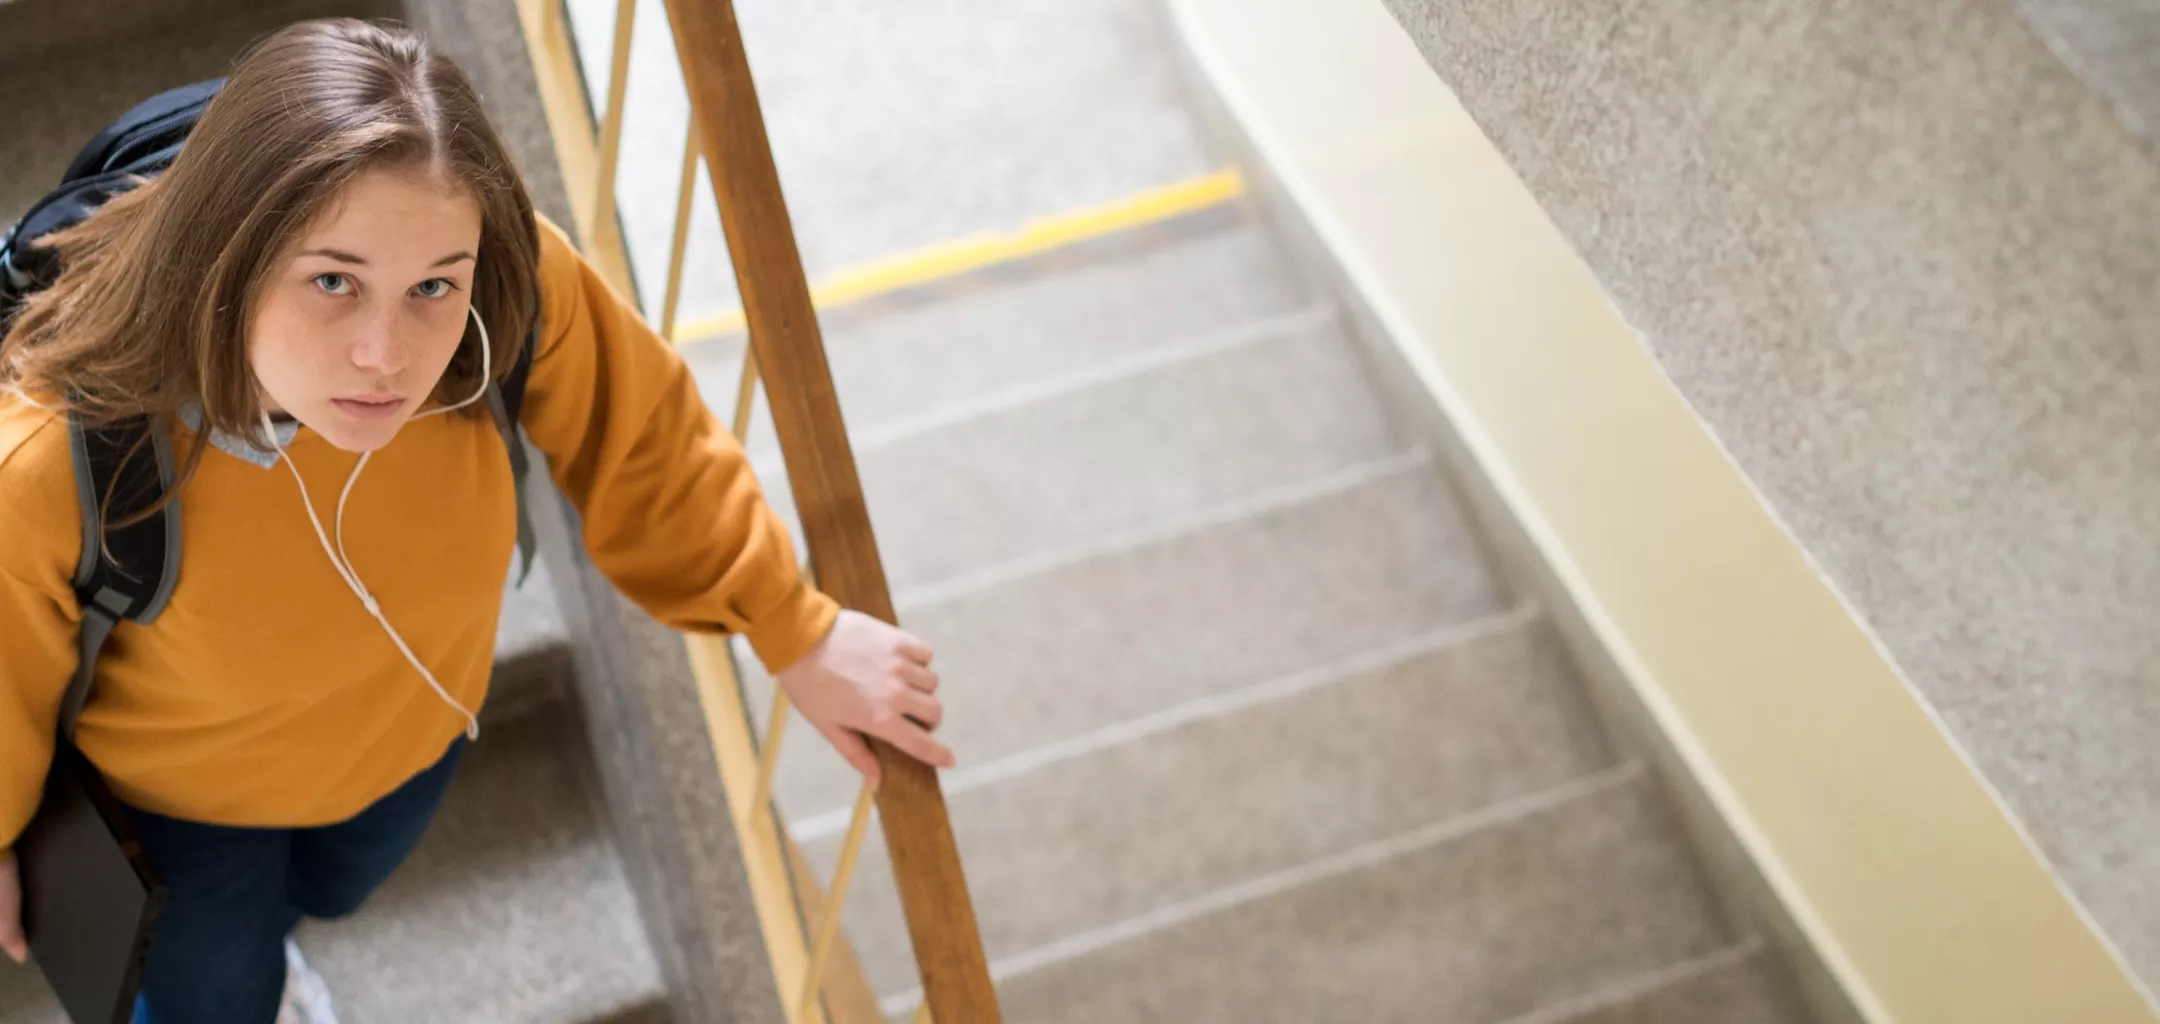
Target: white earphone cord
{"type": "Point", "coordinates": [343, 563]}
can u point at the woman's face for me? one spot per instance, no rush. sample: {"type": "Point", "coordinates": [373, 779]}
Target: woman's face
{"type": "Point", "coordinates": [358, 323]}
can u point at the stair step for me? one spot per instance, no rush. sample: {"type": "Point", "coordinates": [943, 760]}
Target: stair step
{"type": "Point", "coordinates": [1218, 293]}
{"type": "Point", "coordinates": [25, 998]}
{"type": "Point", "coordinates": [62, 95]}
{"type": "Point", "coordinates": [948, 121]}
{"type": "Point", "coordinates": [533, 659]}
{"type": "Point", "coordinates": [1741, 985]}
{"type": "Point", "coordinates": [33, 29]}
{"type": "Point", "coordinates": [1568, 893]}
{"type": "Point", "coordinates": [1254, 782]}
{"type": "Point", "coordinates": [1163, 438]}
{"type": "Point", "coordinates": [517, 883]}
{"type": "Point", "coordinates": [515, 906]}
{"type": "Point", "coordinates": [1029, 325]}
{"type": "Point", "coordinates": [1068, 646]}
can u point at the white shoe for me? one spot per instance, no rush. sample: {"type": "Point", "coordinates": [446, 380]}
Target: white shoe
{"type": "Point", "coordinates": [307, 999]}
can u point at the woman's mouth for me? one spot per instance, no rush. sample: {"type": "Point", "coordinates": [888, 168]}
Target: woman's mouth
{"type": "Point", "coordinates": [371, 407]}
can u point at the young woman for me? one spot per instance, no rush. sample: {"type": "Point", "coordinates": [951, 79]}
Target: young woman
{"type": "Point", "coordinates": [313, 296]}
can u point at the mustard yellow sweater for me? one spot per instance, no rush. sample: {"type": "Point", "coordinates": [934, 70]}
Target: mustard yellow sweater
{"type": "Point", "coordinates": [265, 695]}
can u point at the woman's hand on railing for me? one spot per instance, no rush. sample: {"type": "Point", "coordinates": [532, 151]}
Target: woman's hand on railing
{"type": "Point", "coordinates": [11, 933]}
{"type": "Point", "coordinates": [870, 677]}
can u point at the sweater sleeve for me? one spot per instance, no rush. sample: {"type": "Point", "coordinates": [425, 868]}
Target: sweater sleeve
{"type": "Point", "coordinates": [672, 513]}
{"type": "Point", "coordinates": [40, 536]}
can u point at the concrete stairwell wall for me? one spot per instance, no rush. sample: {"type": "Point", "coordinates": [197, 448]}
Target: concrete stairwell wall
{"type": "Point", "coordinates": [69, 68]}
{"type": "Point", "coordinates": [85, 62]}
{"type": "Point", "coordinates": [1806, 354]}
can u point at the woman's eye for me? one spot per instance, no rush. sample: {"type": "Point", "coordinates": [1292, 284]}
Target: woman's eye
{"type": "Point", "coordinates": [435, 288]}
{"type": "Point", "coordinates": [335, 284]}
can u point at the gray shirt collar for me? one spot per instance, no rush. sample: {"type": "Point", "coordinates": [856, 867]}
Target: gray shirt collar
{"type": "Point", "coordinates": [239, 448]}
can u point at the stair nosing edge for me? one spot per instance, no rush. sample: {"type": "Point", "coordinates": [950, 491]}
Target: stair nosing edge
{"type": "Point", "coordinates": [1277, 499]}
{"type": "Point", "coordinates": [1647, 983]}
{"type": "Point", "coordinates": [1454, 636]}
{"type": "Point", "coordinates": [1251, 334]}
{"type": "Point", "coordinates": [1320, 870]}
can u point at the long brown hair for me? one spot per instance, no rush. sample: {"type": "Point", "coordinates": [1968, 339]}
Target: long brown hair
{"type": "Point", "coordinates": [159, 288]}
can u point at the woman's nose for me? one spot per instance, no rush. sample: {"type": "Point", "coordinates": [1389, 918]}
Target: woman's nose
{"type": "Point", "coordinates": [380, 349]}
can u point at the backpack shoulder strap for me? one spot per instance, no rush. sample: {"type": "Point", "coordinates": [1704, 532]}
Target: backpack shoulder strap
{"type": "Point", "coordinates": [128, 573]}
{"type": "Point", "coordinates": [506, 400]}
{"type": "Point", "coordinates": [513, 383]}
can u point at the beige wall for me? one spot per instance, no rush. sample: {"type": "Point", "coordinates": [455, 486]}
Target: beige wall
{"type": "Point", "coordinates": [1894, 859]}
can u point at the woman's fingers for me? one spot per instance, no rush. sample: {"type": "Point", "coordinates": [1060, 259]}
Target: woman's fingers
{"type": "Point", "coordinates": [918, 677]}
{"type": "Point", "coordinates": [912, 648]}
{"type": "Point", "coordinates": [920, 706]}
{"type": "Point", "coordinates": [870, 679]}
{"type": "Point", "coordinates": [916, 742]}
{"type": "Point", "coordinates": [910, 738]}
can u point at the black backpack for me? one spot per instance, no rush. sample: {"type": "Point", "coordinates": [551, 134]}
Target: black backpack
{"type": "Point", "coordinates": [133, 573]}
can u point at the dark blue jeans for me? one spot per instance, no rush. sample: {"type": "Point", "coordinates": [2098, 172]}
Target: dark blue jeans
{"type": "Point", "coordinates": [233, 894]}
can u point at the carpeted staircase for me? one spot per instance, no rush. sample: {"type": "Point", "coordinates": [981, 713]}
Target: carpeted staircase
{"type": "Point", "coordinates": [1248, 729]}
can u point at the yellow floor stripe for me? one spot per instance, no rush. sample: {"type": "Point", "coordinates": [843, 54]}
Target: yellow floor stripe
{"type": "Point", "coordinates": [949, 259]}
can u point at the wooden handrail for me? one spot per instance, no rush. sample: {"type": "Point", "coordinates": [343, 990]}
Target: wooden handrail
{"type": "Point", "coordinates": [828, 495]}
